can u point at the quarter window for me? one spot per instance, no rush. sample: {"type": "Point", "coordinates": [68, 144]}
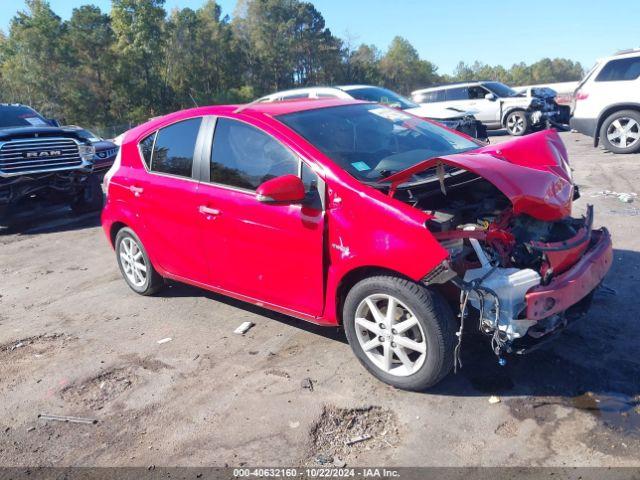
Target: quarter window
{"type": "Point", "coordinates": [457, 93]}
{"type": "Point", "coordinates": [146, 147]}
{"type": "Point", "coordinates": [430, 97]}
{"type": "Point", "coordinates": [620, 70]}
{"type": "Point", "coordinates": [245, 157]}
{"type": "Point", "coordinates": [174, 148]}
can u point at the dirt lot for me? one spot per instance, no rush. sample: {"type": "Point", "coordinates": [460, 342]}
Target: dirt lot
{"type": "Point", "coordinates": [74, 340]}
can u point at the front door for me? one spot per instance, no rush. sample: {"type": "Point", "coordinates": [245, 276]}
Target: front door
{"type": "Point", "coordinates": [270, 253]}
{"type": "Point", "coordinates": [487, 111]}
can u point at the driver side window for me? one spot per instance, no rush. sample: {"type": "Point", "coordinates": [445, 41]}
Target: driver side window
{"type": "Point", "coordinates": [477, 93]}
{"type": "Point", "coordinates": [245, 157]}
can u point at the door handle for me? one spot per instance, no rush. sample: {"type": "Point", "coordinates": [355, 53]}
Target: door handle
{"type": "Point", "coordinates": [208, 211]}
{"type": "Point", "coordinates": [137, 191]}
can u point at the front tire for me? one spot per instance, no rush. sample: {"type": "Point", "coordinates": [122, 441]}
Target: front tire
{"type": "Point", "coordinates": [401, 332]}
{"type": "Point", "coordinates": [517, 123]}
{"type": "Point", "coordinates": [134, 263]}
{"type": "Point", "coordinates": [620, 132]}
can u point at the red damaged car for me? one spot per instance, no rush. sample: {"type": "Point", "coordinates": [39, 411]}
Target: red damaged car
{"type": "Point", "coordinates": [354, 214]}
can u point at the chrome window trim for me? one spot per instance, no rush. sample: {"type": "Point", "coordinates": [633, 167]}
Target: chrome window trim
{"type": "Point", "coordinates": [153, 147]}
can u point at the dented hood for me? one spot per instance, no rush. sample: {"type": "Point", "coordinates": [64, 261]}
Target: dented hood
{"type": "Point", "coordinates": [532, 172]}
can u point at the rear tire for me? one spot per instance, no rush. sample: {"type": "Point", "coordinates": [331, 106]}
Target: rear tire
{"type": "Point", "coordinates": [414, 349]}
{"type": "Point", "coordinates": [517, 123]}
{"type": "Point", "coordinates": [620, 132]}
{"type": "Point", "coordinates": [134, 263]}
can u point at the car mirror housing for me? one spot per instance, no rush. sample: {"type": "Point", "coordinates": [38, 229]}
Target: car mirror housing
{"type": "Point", "coordinates": [285, 189]}
{"type": "Point", "coordinates": [490, 96]}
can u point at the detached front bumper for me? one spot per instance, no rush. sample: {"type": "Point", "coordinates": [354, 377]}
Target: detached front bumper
{"type": "Point", "coordinates": [574, 284]}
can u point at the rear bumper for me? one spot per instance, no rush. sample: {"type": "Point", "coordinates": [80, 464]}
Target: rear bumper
{"type": "Point", "coordinates": [586, 126]}
{"type": "Point", "coordinates": [574, 284]}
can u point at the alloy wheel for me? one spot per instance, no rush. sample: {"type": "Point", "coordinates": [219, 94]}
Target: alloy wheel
{"type": "Point", "coordinates": [516, 123]}
{"type": "Point", "coordinates": [390, 335]}
{"type": "Point", "coordinates": [133, 262]}
{"type": "Point", "coordinates": [624, 132]}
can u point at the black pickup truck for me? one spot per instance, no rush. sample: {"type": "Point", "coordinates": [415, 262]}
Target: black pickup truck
{"type": "Point", "coordinates": [42, 162]}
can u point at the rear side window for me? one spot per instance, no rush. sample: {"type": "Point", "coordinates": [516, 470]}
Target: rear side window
{"type": "Point", "coordinates": [245, 157]}
{"type": "Point", "coordinates": [430, 97]}
{"type": "Point", "coordinates": [620, 70]}
{"type": "Point", "coordinates": [457, 93]}
{"type": "Point", "coordinates": [174, 148]}
{"type": "Point", "coordinates": [146, 148]}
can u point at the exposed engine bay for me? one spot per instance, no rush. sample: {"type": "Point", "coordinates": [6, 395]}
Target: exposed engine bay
{"type": "Point", "coordinates": [497, 256]}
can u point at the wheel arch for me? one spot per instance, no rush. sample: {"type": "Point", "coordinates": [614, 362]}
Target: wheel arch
{"type": "Point", "coordinates": [114, 229]}
{"type": "Point", "coordinates": [350, 278]}
{"type": "Point", "coordinates": [610, 110]}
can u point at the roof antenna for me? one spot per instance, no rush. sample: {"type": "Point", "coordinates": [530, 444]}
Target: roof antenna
{"type": "Point", "coordinates": [247, 105]}
{"type": "Point", "coordinates": [193, 100]}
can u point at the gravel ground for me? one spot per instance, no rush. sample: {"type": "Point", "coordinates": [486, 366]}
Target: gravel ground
{"type": "Point", "coordinates": [74, 340]}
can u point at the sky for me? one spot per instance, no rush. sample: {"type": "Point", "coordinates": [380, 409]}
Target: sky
{"type": "Point", "coordinates": [446, 32]}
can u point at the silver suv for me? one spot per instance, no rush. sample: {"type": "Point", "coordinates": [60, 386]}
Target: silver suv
{"type": "Point", "coordinates": [497, 105]}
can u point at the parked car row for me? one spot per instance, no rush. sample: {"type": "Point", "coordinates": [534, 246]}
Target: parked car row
{"type": "Point", "coordinates": [348, 206]}
{"type": "Point", "coordinates": [455, 118]}
{"type": "Point", "coordinates": [42, 162]}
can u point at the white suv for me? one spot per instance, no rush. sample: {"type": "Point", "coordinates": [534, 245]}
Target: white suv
{"type": "Point", "coordinates": [497, 105]}
{"type": "Point", "coordinates": [606, 104]}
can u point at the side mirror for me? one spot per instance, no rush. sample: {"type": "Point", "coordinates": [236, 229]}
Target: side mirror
{"type": "Point", "coordinates": [490, 96]}
{"type": "Point", "coordinates": [53, 122]}
{"type": "Point", "coordinates": [285, 189]}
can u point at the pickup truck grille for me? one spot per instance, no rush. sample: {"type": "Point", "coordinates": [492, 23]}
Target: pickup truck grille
{"type": "Point", "coordinates": [38, 155]}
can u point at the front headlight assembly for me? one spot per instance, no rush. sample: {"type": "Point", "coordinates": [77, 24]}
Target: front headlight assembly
{"type": "Point", "coordinates": [86, 152]}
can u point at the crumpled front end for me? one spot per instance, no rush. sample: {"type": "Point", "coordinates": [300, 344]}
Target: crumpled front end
{"type": "Point", "coordinates": [523, 264]}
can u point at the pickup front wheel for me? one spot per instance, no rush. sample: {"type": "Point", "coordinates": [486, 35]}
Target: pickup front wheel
{"type": "Point", "coordinates": [402, 332]}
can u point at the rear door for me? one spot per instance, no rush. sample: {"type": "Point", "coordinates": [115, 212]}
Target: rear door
{"type": "Point", "coordinates": [167, 195]}
{"type": "Point", "coordinates": [270, 253]}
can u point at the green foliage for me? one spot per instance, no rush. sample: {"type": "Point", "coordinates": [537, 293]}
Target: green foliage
{"type": "Point", "coordinates": [402, 69]}
{"type": "Point", "coordinates": [543, 71]}
{"type": "Point", "coordinates": [100, 70]}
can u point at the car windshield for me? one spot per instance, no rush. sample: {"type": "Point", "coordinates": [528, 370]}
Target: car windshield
{"type": "Point", "coordinates": [372, 142]}
{"type": "Point", "coordinates": [19, 116]}
{"type": "Point", "coordinates": [500, 89]}
{"type": "Point", "coordinates": [381, 95]}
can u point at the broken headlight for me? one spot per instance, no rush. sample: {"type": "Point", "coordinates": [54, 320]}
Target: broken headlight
{"type": "Point", "coordinates": [86, 152]}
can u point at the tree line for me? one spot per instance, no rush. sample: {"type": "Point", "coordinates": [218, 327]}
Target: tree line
{"type": "Point", "coordinates": [138, 61]}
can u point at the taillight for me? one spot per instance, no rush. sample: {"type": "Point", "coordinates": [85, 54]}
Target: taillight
{"type": "Point", "coordinates": [582, 96]}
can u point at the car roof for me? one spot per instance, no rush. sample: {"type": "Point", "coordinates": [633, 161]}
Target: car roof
{"type": "Point", "coordinates": [297, 105]}
{"type": "Point", "coordinates": [295, 91]}
{"type": "Point", "coordinates": [451, 85]}
{"type": "Point", "coordinates": [346, 88]}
